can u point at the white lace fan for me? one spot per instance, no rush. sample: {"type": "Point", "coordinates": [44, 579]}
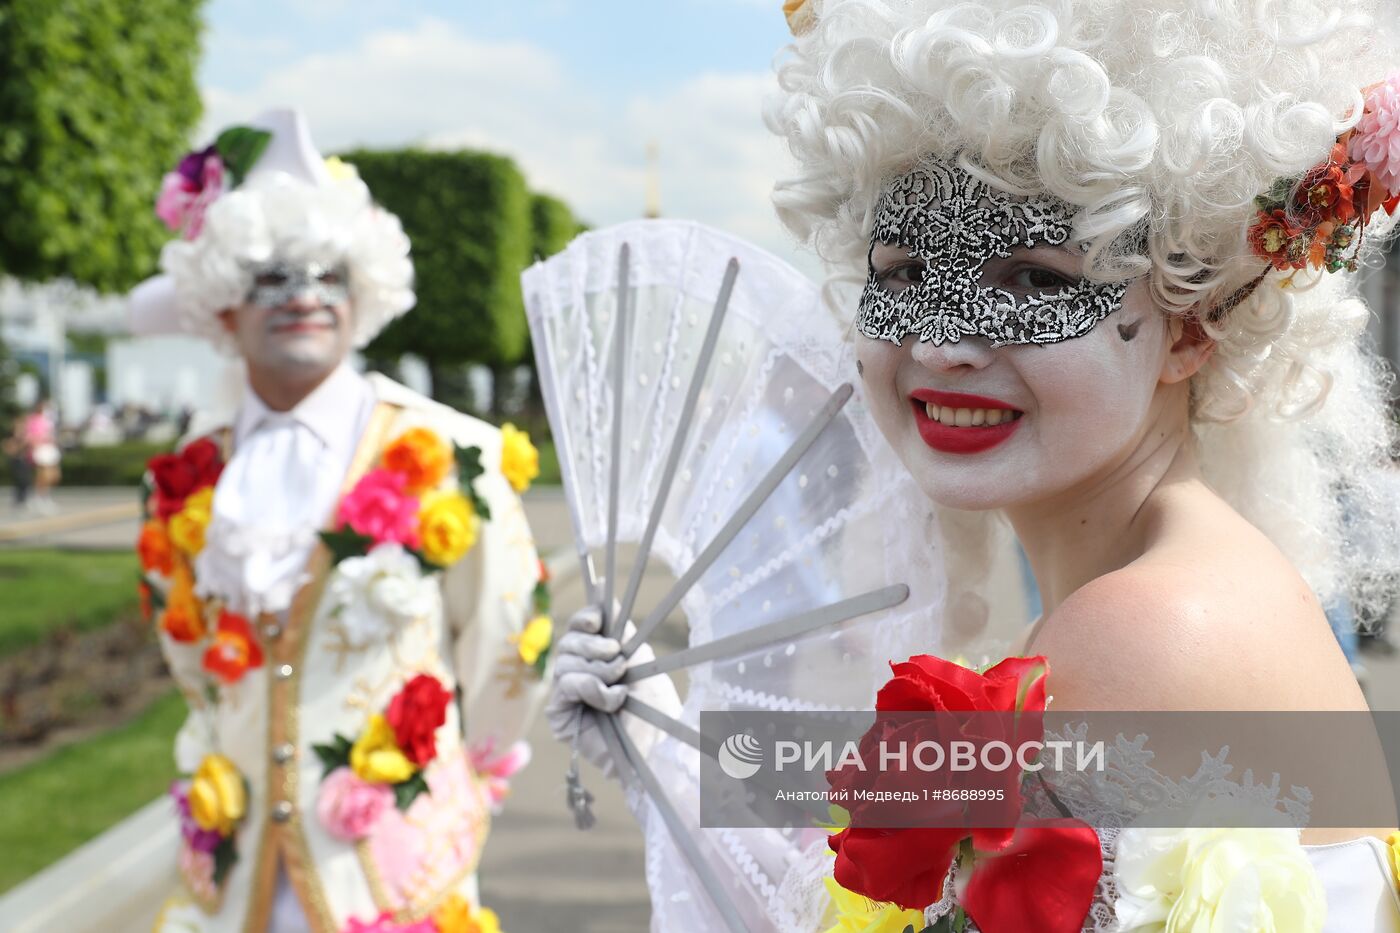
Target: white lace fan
{"type": "Point", "coordinates": [702, 407]}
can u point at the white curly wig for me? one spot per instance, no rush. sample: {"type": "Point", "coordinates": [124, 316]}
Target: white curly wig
{"type": "Point", "coordinates": [1163, 121]}
{"type": "Point", "coordinates": [276, 214]}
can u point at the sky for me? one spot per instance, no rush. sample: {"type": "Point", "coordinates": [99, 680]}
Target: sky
{"type": "Point", "coordinates": [573, 90]}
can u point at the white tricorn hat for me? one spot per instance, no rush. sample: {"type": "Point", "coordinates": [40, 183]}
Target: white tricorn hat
{"type": "Point", "coordinates": [184, 297]}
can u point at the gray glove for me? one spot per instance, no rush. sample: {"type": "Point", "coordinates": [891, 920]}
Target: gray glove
{"type": "Point", "coordinates": [587, 666]}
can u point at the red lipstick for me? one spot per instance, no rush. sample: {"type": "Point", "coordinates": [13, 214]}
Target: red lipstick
{"type": "Point", "coordinates": [954, 440]}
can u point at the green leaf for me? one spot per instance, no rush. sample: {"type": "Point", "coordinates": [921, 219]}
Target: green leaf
{"type": "Point", "coordinates": [542, 599]}
{"type": "Point", "coordinates": [225, 855]}
{"type": "Point", "coordinates": [405, 792]}
{"type": "Point", "coordinates": [346, 543]}
{"type": "Point", "coordinates": [240, 147]}
{"type": "Point", "coordinates": [468, 469]}
{"type": "Point", "coordinates": [334, 755]}
{"type": "Point", "coordinates": [541, 664]}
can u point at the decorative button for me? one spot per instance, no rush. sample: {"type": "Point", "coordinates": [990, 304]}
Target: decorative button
{"type": "Point", "coordinates": [283, 753]}
{"type": "Point", "coordinates": [282, 811]}
{"type": "Point", "coordinates": [285, 671]}
{"type": "Point", "coordinates": [272, 631]}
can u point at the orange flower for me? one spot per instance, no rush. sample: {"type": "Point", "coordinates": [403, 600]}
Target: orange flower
{"type": "Point", "coordinates": [235, 650]}
{"type": "Point", "coordinates": [421, 456]}
{"type": "Point", "coordinates": [153, 547]}
{"type": "Point", "coordinates": [183, 619]}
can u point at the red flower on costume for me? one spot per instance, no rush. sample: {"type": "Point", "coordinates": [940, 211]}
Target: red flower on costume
{"type": "Point", "coordinates": [415, 714]}
{"type": "Point", "coordinates": [183, 473]}
{"type": "Point", "coordinates": [235, 650]}
{"type": "Point", "coordinates": [1274, 237]}
{"type": "Point", "coordinates": [1045, 870]}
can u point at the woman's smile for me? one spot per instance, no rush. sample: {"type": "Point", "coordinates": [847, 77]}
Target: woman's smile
{"type": "Point", "coordinates": [959, 423]}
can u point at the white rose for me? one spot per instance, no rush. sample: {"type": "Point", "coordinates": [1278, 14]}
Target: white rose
{"type": "Point", "coordinates": [383, 589]}
{"type": "Point", "coordinates": [1216, 880]}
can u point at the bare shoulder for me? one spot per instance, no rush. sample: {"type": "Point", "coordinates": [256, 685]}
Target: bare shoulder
{"type": "Point", "coordinates": [1172, 632]}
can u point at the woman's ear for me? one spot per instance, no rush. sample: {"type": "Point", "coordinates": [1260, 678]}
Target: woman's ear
{"type": "Point", "coordinates": [1190, 349]}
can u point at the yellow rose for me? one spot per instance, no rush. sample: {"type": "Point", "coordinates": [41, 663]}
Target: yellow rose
{"type": "Point", "coordinates": [218, 798]}
{"type": "Point", "coordinates": [447, 526]}
{"type": "Point", "coordinates": [376, 755]}
{"type": "Point", "coordinates": [855, 913]}
{"type": "Point", "coordinates": [341, 171]}
{"type": "Point", "coordinates": [1183, 880]}
{"type": "Point", "coordinates": [455, 915]}
{"type": "Point", "coordinates": [535, 640]}
{"type": "Point", "coordinates": [520, 461]}
{"type": "Point", "coordinates": [1393, 846]}
{"type": "Point", "coordinates": [187, 525]}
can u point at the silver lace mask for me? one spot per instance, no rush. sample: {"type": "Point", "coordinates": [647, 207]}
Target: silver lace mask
{"type": "Point", "coordinates": [278, 281]}
{"type": "Point", "coordinates": [954, 224]}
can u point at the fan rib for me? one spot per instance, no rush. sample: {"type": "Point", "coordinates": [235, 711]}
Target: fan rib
{"type": "Point", "coordinates": [761, 636]}
{"type": "Point", "coordinates": [746, 511]}
{"type": "Point", "coordinates": [708, 747]}
{"type": "Point", "coordinates": [611, 626]}
{"type": "Point", "coordinates": [673, 458]}
{"type": "Point", "coordinates": [621, 749]}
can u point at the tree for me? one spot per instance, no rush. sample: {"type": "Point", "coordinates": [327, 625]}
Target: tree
{"type": "Point", "coordinates": [97, 103]}
{"type": "Point", "coordinates": [471, 220]}
{"type": "Point", "coordinates": [553, 224]}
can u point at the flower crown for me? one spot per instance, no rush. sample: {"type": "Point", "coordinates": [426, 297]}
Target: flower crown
{"type": "Point", "coordinates": [1315, 220]}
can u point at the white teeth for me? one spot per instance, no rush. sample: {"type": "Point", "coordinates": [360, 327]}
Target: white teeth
{"type": "Point", "coordinates": [969, 417]}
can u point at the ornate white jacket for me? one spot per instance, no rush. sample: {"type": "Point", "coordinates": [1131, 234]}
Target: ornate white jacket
{"type": "Point", "coordinates": [316, 681]}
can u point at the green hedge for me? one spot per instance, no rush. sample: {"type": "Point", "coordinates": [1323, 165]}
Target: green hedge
{"type": "Point", "coordinates": [117, 465]}
{"type": "Point", "coordinates": [97, 103]}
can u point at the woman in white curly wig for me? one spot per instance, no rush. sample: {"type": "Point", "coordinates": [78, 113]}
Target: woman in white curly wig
{"type": "Point", "coordinates": [1100, 260]}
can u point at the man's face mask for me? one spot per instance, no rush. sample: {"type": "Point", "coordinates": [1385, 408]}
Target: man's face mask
{"type": "Point", "coordinates": [954, 224]}
{"type": "Point", "coordinates": [279, 282]}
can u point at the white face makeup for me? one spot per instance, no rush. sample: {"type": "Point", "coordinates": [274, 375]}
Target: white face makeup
{"type": "Point", "coordinates": [296, 319]}
{"type": "Point", "coordinates": [982, 426]}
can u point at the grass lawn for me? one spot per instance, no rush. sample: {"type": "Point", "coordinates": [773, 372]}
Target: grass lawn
{"type": "Point", "coordinates": [47, 589]}
{"type": "Point", "coordinates": [56, 804]}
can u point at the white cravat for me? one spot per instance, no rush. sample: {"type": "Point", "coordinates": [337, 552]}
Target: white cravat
{"type": "Point", "coordinates": [277, 491]}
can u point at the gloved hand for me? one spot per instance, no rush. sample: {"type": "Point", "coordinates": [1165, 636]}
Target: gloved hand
{"type": "Point", "coordinates": [587, 666]}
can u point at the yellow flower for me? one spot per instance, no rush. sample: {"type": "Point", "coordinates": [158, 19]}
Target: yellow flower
{"type": "Point", "coordinates": [1182, 880]}
{"type": "Point", "coordinates": [520, 461]}
{"type": "Point", "coordinates": [218, 799]}
{"type": "Point", "coordinates": [1393, 846]}
{"type": "Point", "coordinates": [856, 913]}
{"type": "Point", "coordinates": [455, 915]}
{"type": "Point", "coordinates": [341, 171]}
{"type": "Point", "coordinates": [376, 755]}
{"type": "Point", "coordinates": [447, 526]}
{"type": "Point", "coordinates": [535, 640]}
{"type": "Point", "coordinates": [187, 525]}
{"type": "Point", "coordinates": [800, 16]}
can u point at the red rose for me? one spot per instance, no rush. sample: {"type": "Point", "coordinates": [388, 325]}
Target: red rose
{"type": "Point", "coordinates": [1046, 871]}
{"type": "Point", "coordinates": [183, 473]}
{"type": "Point", "coordinates": [205, 458]}
{"type": "Point", "coordinates": [415, 714]}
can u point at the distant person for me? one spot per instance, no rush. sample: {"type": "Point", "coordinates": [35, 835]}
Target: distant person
{"type": "Point", "coordinates": [16, 449]}
{"type": "Point", "coordinates": [41, 437]}
{"type": "Point", "coordinates": [355, 710]}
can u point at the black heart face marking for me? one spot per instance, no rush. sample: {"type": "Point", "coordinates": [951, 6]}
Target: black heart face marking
{"type": "Point", "coordinates": [1129, 331]}
{"type": "Point", "coordinates": [860, 368]}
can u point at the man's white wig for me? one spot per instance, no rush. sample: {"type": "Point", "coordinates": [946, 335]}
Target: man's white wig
{"type": "Point", "coordinates": [290, 206]}
{"type": "Point", "coordinates": [1163, 121]}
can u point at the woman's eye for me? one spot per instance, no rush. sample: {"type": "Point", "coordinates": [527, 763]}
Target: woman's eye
{"type": "Point", "coordinates": [1040, 279]}
{"type": "Point", "coordinates": [898, 277]}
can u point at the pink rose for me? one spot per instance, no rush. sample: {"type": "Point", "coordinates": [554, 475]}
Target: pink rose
{"type": "Point", "coordinates": [497, 768]}
{"type": "Point", "coordinates": [349, 806]}
{"type": "Point", "coordinates": [187, 192]}
{"type": "Point", "coordinates": [380, 507]}
{"type": "Point", "coordinates": [385, 923]}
